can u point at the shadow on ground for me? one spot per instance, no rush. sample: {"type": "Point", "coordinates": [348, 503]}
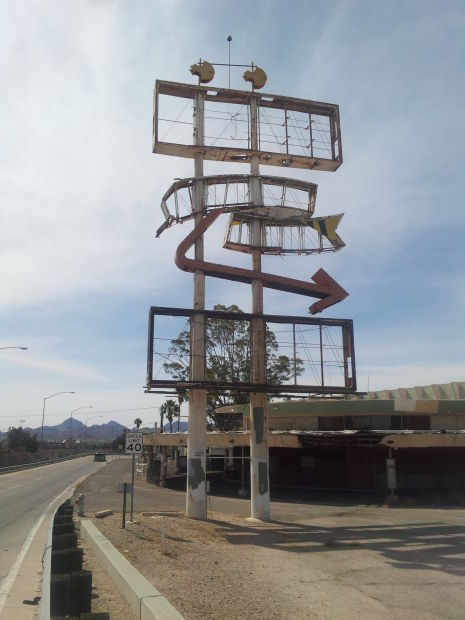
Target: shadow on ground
{"type": "Point", "coordinates": [433, 546]}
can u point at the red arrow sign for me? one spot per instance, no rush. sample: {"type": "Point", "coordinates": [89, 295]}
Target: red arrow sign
{"type": "Point", "coordinates": [323, 286]}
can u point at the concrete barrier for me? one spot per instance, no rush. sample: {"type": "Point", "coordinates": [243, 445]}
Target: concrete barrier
{"type": "Point", "coordinates": [146, 601]}
{"type": "Point", "coordinates": [11, 468]}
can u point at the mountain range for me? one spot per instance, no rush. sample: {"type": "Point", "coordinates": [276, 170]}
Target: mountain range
{"type": "Point", "coordinates": [97, 432]}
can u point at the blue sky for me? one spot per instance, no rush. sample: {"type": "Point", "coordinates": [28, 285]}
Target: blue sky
{"type": "Point", "coordinates": [80, 188]}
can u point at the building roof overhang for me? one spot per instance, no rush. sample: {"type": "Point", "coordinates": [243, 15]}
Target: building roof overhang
{"type": "Point", "coordinates": [307, 439]}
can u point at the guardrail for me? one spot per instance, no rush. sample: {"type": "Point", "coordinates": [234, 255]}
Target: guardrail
{"type": "Point", "coordinates": [10, 468]}
{"type": "Point", "coordinates": [66, 586]}
{"type": "Point", "coordinates": [44, 609]}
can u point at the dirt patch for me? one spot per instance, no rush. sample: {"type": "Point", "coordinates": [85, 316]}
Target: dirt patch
{"type": "Point", "coordinates": [223, 568]}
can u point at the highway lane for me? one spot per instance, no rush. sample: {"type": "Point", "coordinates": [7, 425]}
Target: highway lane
{"type": "Point", "coordinates": [25, 496]}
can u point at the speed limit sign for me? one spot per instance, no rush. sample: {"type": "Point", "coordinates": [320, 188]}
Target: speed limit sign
{"type": "Point", "coordinates": [134, 443]}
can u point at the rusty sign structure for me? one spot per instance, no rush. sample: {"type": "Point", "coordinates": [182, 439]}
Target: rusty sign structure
{"type": "Point", "coordinates": [266, 215]}
{"type": "Point", "coordinates": [291, 133]}
{"type": "Point", "coordinates": [322, 349]}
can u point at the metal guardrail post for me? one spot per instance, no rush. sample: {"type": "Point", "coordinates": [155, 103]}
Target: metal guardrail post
{"type": "Point", "coordinates": [44, 610]}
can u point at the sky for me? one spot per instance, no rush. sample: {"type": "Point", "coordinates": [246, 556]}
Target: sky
{"type": "Point", "coordinates": [80, 188]}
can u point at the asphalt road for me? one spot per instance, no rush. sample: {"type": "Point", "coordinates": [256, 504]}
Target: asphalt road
{"type": "Point", "coordinates": [25, 496]}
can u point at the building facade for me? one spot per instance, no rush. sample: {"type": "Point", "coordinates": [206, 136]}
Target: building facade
{"type": "Point", "coordinates": [406, 439]}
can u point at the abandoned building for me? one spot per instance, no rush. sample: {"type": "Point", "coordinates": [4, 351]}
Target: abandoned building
{"type": "Point", "coordinates": [406, 439]}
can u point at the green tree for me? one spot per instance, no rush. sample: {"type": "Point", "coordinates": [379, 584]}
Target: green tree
{"type": "Point", "coordinates": [228, 358]}
{"type": "Point", "coordinates": [171, 410]}
{"type": "Point", "coordinates": [19, 439]}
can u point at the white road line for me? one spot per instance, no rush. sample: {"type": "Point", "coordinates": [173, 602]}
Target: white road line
{"type": "Point", "coordinates": [14, 570]}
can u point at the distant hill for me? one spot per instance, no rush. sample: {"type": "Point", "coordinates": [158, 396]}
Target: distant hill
{"type": "Point", "coordinates": [183, 426]}
{"type": "Point", "coordinates": [59, 432]}
{"type": "Point", "coordinates": [96, 432]}
{"type": "Point", "coordinates": [99, 432]}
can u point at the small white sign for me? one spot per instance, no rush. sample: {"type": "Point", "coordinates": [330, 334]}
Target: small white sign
{"type": "Point", "coordinates": [134, 443]}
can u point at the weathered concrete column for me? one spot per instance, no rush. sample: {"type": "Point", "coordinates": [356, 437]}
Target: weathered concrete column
{"type": "Point", "coordinates": [163, 463]}
{"type": "Point", "coordinates": [196, 506]}
{"type": "Point", "coordinates": [230, 458]}
{"type": "Point", "coordinates": [176, 460]}
{"type": "Point", "coordinates": [259, 456]}
{"type": "Point", "coordinates": [391, 478]}
{"type": "Point", "coordinates": [151, 465]}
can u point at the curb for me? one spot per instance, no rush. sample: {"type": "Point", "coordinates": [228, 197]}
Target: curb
{"type": "Point", "coordinates": [146, 601]}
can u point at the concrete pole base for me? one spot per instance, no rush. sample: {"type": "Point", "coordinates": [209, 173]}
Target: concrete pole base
{"type": "Point", "coordinates": [257, 521]}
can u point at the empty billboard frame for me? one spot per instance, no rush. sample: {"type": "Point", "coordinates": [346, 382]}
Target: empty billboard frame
{"type": "Point", "coordinates": [294, 133]}
{"type": "Point", "coordinates": [308, 355]}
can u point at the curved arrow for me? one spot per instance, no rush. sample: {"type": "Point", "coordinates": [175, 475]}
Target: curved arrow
{"type": "Point", "coordinates": [323, 286]}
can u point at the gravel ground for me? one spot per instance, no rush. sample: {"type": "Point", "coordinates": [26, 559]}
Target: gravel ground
{"type": "Point", "coordinates": [202, 573]}
{"type": "Point", "coordinates": [331, 559]}
{"type": "Point", "coordinates": [360, 563]}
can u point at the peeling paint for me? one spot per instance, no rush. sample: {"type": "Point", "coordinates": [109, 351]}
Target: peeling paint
{"type": "Point", "coordinates": [259, 423]}
{"type": "Point", "coordinates": [262, 478]}
{"type": "Point", "coordinates": [195, 473]}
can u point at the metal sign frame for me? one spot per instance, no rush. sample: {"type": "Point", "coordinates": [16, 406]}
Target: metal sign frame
{"type": "Point", "coordinates": [178, 205]}
{"type": "Point", "coordinates": [288, 157]}
{"type": "Point", "coordinates": [348, 356]}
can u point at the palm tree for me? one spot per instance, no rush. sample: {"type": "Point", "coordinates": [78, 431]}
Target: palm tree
{"type": "Point", "coordinates": [171, 409]}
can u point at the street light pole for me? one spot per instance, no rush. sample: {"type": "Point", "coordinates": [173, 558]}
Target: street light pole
{"type": "Point", "coordinates": [43, 412]}
{"type": "Point", "coordinates": [71, 418]}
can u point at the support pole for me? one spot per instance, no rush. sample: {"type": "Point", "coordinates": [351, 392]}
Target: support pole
{"type": "Point", "coordinates": [196, 446]}
{"type": "Point", "coordinates": [125, 486]}
{"type": "Point", "coordinates": [391, 476]}
{"type": "Point", "coordinates": [163, 466]}
{"type": "Point", "coordinates": [230, 459]}
{"type": "Point", "coordinates": [132, 486]}
{"type": "Point", "coordinates": [242, 492]}
{"type": "Point", "coordinates": [259, 456]}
